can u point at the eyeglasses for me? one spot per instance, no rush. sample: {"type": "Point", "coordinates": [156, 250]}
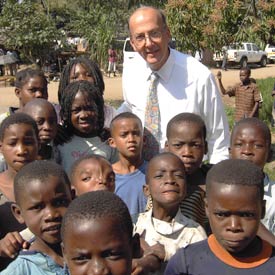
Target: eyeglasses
{"type": "Point", "coordinates": [154, 36]}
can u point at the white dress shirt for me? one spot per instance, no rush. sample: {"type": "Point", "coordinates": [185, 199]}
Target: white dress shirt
{"type": "Point", "coordinates": [185, 85]}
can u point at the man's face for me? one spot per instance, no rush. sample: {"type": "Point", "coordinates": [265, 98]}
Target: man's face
{"type": "Point", "coordinates": [150, 37]}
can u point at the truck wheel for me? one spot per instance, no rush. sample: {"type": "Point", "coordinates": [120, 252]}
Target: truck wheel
{"type": "Point", "coordinates": [263, 61]}
{"type": "Point", "coordinates": [243, 62]}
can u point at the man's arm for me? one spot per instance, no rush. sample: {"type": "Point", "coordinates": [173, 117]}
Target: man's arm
{"type": "Point", "coordinates": [216, 121]}
{"type": "Point", "coordinates": [255, 109]}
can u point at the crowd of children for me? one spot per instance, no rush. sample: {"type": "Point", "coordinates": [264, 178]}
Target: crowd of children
{"type": "Point", "coordinates": [174, 214]}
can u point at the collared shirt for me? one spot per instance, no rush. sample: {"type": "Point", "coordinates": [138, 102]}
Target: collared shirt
{"type": "Point", "coordinates": [245, 98]}
{"type": "Point", "coordinates": [179, 233]}
{"type": "Point", "coordinates": [185, 85]}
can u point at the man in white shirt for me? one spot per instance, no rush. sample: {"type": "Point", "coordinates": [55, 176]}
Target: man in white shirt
{"type": "Point", "coordinates": [185, 85]}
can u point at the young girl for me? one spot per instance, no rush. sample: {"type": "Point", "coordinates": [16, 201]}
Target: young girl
{"type": "Point", "coordinates": [83, 68]}
{"type": "Point", "coordinates": [29, 84]}
{"type": "Point", "coordinates": [82, 113]}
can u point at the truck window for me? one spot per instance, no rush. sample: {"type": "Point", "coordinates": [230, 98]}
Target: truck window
{"type": "Point", "coordinates": [248, 47]}
{"type": "Point", "coordinates": [255, 48]}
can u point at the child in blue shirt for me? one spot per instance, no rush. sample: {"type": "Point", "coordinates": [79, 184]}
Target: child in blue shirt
{"type": "Point", "coordinates": [127, 138]}
{"type": "Point", "coordinates": [42, 194]}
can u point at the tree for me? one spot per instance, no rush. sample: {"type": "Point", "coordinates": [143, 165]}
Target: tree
{"type": "Point", "coordinates": [28, 29]}
{"type": "Point", "coordinates": [211, 24]}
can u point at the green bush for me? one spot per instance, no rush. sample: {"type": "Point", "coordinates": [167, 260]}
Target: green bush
{"type": "Point", "coordinates": [266, 86]}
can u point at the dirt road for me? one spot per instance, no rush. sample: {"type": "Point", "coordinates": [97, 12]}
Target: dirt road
{"type": "Point", "coordinates": [113, 88]}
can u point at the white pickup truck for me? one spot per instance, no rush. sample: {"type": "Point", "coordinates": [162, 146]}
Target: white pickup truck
{"type": "Point", "coordinates": [242, 54]}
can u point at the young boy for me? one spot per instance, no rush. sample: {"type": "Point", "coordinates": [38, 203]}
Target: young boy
{"type": "Point", "coordinates": [92, 173]}
{"type": "Point", "coordinates": [127, 137]}
{"type": "Point", "coordinates": [164, 223]}
{"type": "Point", "coordinates": [247, 95]}
{"type": "Point", "coordinates": [235, 206]}
{"type": "Point", "coordinates": [97, 235]}
{"type": "Point", "coordinates": [251, 140]}
{"type": "Point", "coordinates": [44, 114]}
{"type": "Point", "coordinates": [42, 194]}
{"type": "Point", "coordinates": [186, 138]}
{"type": "Point", "coordinates": [19, 145]}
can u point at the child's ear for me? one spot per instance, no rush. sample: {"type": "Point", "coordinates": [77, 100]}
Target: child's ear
{"type": "Point", "coordinates": [229, 150]}
{"type": "Point", "coordinates": [73, 193]}
{"type": "Point", "coordinates": [166, 146]}
{"type": "Point", "coordinates": [146, 190]}
{"type": "Point", "coordinates": [206, 207]}
{"type": "Point", "coordinates": [136, 249]}
{"type": "Point", "coordinates": [16, 211]}
{"type": "Point", "coordinates": [111, 142]}
{"type": "Point", "coordinates": [18, 92]}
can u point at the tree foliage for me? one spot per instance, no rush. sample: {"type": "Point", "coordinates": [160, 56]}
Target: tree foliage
{"type": "Point", "coordinates": [28, 29]}
{"type": "Point", "coordinates": [211, 24]}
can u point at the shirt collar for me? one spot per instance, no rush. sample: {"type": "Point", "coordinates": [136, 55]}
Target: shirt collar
{"type": "Point", "coordinates": [166, 70]}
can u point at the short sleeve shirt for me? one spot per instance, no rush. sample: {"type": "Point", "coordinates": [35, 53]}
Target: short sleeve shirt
{"type": "Point", "coordinates": [246, 97]}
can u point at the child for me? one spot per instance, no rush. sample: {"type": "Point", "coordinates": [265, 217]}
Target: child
{"type": "Point", "coordinates": [97, 235]}
{"type": "Point", "coordinates": [42, 194]}
{"type": "Point", "coordinates": [82, 68]}
{"type": "Point", "coordinates": [251, 140]}
{"type": "Point", "coordinates": [164, 223]}
{"type": "Point", "coordinates": [19, 145]}
{"type": "Point", "coordinates": [45, 117]}
{"type": "Point", "coordinates": [92, 173]}
{"type": "Point", "coordinates": [82, 114]}
{"type": "Point", "coordinates": [127, 138]}
{"type": "Point", "coordinates": [235, 206]}
{"type": "Point", "coordinates": [247, 95]}
{"type": "Point", "coordinates": [186, 138]}
{"type": "Point", "coordinates": [29, 84]}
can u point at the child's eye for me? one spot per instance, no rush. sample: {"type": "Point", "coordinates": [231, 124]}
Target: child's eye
{"type": "Point", "coordinates": [247, 215]}
{"type": "Point", "coordinates": [39, 121]}
{"type": "Point", "coordinates": [181, 176]}
{"type": "Point", "coordinates": [62, 202]}
{"type": "Point", "coordinates": [221, 214]}
{"type": "Point", "coordinates": [86, 179]}
{"type": "Point", "coordinates": [238, 144]}
{"type": "Point", "coordinates": [113, 255]}
{"type": "Point", "coordinates": [257, 146]}
{"type": "Point", "coordinates": [176, 145]}
{"type": "Point", "coordinates": [158, 176]}
{"type": "Point", "coordinates": [37, 207]}
{"type": "Point", "coordinates": [81, 259]}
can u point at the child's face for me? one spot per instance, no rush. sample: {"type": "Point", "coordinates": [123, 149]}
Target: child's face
{"type": "Point", "coordinates": [187, 142]}
{"type": "Point", "coordinates": [42, 207]}
{"type": "Point", "coordinates": [19, 145]}
{"type": "Point", "coordinates": [98, 246]}
{"type": "Point", "coordinates": [127, 137]}
{"type": "Point", "coordinates": [80, 72]}
{"type": "Point", "coordinates": [35, 87]}
{"type": "Point", "coordinates": [46, 120]}
{"type": "Point", "coordinates": [84, 115]}
{"type": "Point", "coordinates": [234, 213]}
{"type": "Point", "coordinates": [244, 76]}
{"type": "Point", "coordinates": [166, 181]}
{"type": "Point", "coordinates": [92, 175]}
{"type": "Point", "coordinates": [249, 142]}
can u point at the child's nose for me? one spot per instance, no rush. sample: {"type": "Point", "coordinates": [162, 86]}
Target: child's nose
{"type": "Point", "coordinates": [235, 224]}
{"type": "Point", "coordinates": [97, 266]}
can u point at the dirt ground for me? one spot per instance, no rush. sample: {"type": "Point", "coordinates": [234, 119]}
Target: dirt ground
{"type": "Point", "coordinates": [113, 90]}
